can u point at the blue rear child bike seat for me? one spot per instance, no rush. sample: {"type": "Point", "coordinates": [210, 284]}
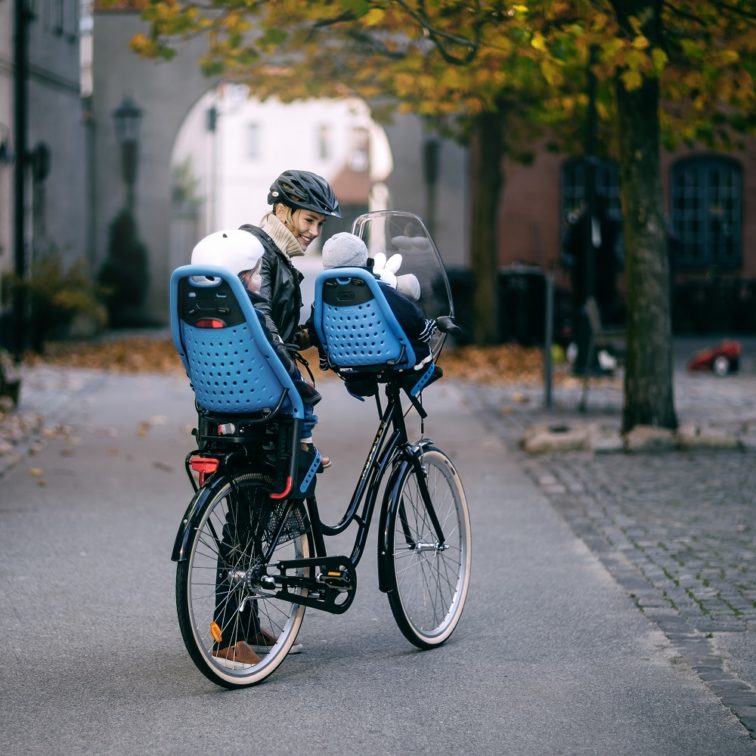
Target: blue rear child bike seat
{"type": "Point", "coordinates": [228, 358]}
{"type": "Point", "coordinates": [356, 327]}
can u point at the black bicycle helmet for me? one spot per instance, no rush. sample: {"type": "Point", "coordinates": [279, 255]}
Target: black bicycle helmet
{"type": "Point", "coordinates": [305, 190]}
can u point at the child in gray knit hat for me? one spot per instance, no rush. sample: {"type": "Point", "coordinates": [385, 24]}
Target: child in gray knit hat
{"type": "Point", "coordinates": [345, 250]}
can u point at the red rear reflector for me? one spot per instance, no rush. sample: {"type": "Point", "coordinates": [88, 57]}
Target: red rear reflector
{"type": "Point", "coordinates": [204, 465]}
{"type": "Point", "coordinates": [210, 323]}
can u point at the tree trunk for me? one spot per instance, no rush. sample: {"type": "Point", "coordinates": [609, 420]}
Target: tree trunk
{"type": "Point", "coordinates": [649, 395]}
{"type": "Point", "coordinates": [486, 179]}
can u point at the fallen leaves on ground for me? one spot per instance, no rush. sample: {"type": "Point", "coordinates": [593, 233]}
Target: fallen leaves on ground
{"type": "Point", "coordinates": [502, 364]}
{"type": "Point", "coordinates": [506, 363]}
{"type": "Point", "coordinates": [136, 354]}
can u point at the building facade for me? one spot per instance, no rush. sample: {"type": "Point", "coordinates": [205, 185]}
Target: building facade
{"type": "Point", "coordinates": [75, 180]}
{"type": "Point", "coordinates": [711, 224]}
{"type": "Point", "coordinates": [54, 162]}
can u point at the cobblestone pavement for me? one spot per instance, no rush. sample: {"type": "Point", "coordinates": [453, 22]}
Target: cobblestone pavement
{"type": "Point", "coordinates": [674, 529]}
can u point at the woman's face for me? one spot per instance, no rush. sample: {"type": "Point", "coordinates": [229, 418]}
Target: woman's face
{"type": "Point", "coordinates": [304, 224]}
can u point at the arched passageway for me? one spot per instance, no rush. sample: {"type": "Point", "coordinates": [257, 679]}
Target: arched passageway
{"type": "Point", "coordinates": [174, 97]}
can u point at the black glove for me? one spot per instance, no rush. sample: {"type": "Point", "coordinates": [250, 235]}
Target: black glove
{"type": "Point", "coordinates": [302, 338]}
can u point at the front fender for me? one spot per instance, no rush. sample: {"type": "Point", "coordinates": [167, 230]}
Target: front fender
{"type": "Point", "coordinates": [396, 478]}
{"type": "Point", "coordinates": [192, 515]}
{"type": "Point", "coordinates": [384, 554]}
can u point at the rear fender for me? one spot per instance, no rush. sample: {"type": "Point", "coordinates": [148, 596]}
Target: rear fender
{"type": "Point", "coordinates": [192, 515]}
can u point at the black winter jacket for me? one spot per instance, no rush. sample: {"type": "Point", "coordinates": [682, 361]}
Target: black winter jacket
{"type": "Point", "coordinates": [280, 294]}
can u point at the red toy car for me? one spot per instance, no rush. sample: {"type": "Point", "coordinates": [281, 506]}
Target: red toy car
{"type": "Point", "coordinates": [721, 360]}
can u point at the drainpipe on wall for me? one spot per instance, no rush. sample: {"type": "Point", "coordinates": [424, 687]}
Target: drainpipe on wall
{"type": "Point", "coordinates": [22, 17]}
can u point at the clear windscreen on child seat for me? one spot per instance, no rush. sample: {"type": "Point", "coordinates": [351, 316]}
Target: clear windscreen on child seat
{"type": "Point", "coordinates": [392, 232]}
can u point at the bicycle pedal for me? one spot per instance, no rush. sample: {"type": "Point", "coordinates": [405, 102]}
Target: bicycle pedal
{"type": "Point", "coordinates": [339, 579]}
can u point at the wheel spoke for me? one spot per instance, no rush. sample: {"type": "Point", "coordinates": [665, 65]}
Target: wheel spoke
{"type": "Point", "coordinates": [216, 586]}
{"type": "Point", "coordinates": [430, 582]}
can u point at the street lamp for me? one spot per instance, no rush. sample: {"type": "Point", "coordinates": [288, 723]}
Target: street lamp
{"type": "Point", "coordinates": [127, 117]}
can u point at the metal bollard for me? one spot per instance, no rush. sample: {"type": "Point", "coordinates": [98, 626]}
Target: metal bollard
{"type": "Point", "coordinates": [548, 337]}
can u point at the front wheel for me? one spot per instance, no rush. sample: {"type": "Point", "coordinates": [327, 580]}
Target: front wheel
{"type": "Point", "coordinates": [428, 577]}
{"type": "Point", "coordinates": [236, 631]}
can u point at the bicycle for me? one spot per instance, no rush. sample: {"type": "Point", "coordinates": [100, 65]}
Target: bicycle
{"type": "Point", "coordinates": [251, 548]}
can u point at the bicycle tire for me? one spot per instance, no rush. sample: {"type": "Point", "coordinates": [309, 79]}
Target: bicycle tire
{"type": "Point", "coordinates": [428, 584]}
{"type": "Point", "coordinates": [218, 596]}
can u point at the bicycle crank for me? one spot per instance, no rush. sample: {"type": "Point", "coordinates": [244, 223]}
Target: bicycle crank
{"type": "Point", "coordinates": [331, 587]}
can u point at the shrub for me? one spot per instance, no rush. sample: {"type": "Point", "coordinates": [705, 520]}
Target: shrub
{"type": "Point", "coordinates": [55, 294]}
{"type": "Point", "coordinates": [124, 273]}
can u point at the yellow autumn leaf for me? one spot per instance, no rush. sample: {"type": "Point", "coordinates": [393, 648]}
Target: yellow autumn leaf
{"type": "Point", "coordinates": [632, 80]}
{"type": "Point", "coordinates": [640, 42]}
{"type": "Point", "coordinates": [660, 59]}
{"type": "Point", "coordinates": [600, 21]}
{"type": "Point", "coordinates": [538, 42]}
{"type": "Point", "coordinates": [551, 73]}
{"type": "Point", "coordinates": [374, 17]}
{"type": "Point", "coordinates": [610, 50]}
{"type": "Point", "coordinates": [404, 82]}
{"type": "Point", "coordinates": [139, 41]}
{"type": "Point", "coordinates": [724, 57]}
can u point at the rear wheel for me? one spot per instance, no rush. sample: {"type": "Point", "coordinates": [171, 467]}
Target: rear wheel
{"type": "Point", "coordinates": [236, 631]}
{"type": "Point", "coordinates": [429, 578]}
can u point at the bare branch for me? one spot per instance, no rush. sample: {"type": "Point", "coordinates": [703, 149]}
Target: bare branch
{"type": "Point", "coordinates": [341, 18]}
{"type": "Point", "coordinates": [672, 8]}
{"type": "Point", "coordinates": [737, 10]}
{"type": "Point", "coordinates": [437, 35]}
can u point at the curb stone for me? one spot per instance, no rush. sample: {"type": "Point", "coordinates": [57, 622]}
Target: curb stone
{"type": "Point", "coordinates": [692, 436]}
{"type": "Point", "coordinates": [563, 437]}
{"type": "Point", "coordinates": [646, 438]}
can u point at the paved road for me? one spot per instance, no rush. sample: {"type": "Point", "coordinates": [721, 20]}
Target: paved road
{"type": "Point", "coordinates": [552, 654]}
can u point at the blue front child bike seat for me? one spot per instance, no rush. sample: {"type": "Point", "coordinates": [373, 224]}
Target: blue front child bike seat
{"type": "Point", "coordinates": [355, 324]}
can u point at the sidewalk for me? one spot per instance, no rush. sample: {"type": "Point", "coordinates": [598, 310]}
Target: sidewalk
{"type": "Point", "coordinates": [674, 528]}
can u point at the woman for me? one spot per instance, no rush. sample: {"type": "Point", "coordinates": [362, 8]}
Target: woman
{"type": "Point", "coordinates": [302, 201]}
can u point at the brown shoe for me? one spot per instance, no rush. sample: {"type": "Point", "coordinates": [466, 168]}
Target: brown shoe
{"type": "Point", "coordinates": [241, 652]}
{"type": "Point", "coordinates": [263, 641]}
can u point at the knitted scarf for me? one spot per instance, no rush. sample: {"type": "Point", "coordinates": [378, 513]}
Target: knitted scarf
{"type": "Point", "coordinates": [284, 239]}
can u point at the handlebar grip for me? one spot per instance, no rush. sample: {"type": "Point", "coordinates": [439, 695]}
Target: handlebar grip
{"type": "Point", "coordinates": [446, 324]}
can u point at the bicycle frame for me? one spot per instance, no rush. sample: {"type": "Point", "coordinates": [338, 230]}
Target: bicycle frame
{"type": "Point", "coordinates": [389, 443]}
{"type": "Point", "coordinates": [389, 451]}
